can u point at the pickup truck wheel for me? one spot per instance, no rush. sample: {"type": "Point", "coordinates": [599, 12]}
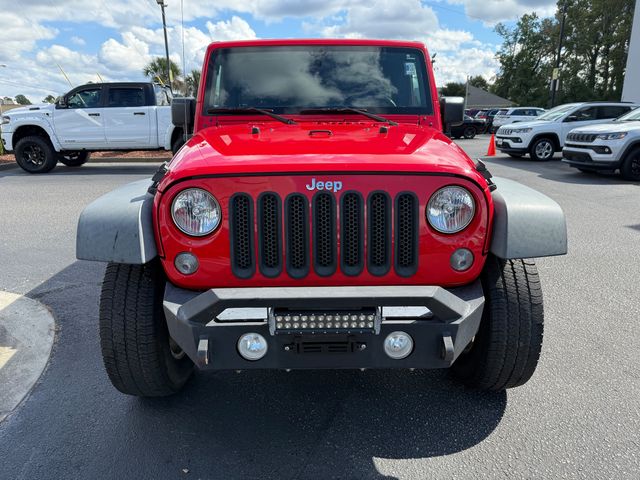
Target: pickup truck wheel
{"type": "Point", "coordinates": [139, 355]}
{"type": "Point", "coordinates": [507, 347]}
{"type": "Point", "coordinates": [542, 149]}
{"type": "Point", "coordinates": [177, 144]}
{"type": "Point", "coordinates": [74, 159]}
{"type": "Point", "coordinates": [630, 169]}
{"type": "Point", "coordinates": [35, 154]}
{"type": "Point", "coordinates": [469, 132]}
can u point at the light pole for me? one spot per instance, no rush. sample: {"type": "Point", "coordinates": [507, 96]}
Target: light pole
{"type": "Point", "coordinates": [166, 42]}
{"type": "Point", "coordinates": [555, 76]}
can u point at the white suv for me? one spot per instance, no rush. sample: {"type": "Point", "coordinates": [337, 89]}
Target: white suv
{"type": "Point", "coordinates": [515, 115]}
{"type": "Point", "coordinates": [546, 135]}
{"type": "Point", "coordinates": [609, 146]}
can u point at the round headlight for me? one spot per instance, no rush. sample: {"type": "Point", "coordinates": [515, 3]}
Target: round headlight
{"type": "Point", "coordinates": [196, 212]}
{"type": "Point", "coordinates": [450, 209]}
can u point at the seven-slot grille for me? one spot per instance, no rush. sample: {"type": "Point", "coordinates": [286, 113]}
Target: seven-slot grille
{"type": "Point", "coordinates": [582, 137]}
{"type": "Point", "coordinates": [297, 235]}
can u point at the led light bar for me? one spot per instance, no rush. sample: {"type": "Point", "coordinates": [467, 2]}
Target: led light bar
{"type": "Point", "coordinates": [366, 320]}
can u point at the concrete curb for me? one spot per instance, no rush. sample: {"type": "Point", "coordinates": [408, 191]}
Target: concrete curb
{"type": "Point", "coordinates": [7, 166]}
{"type": "Point", "coordinates": [27, 331]}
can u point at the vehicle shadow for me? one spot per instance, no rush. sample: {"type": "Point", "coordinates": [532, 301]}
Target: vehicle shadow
{"type": "Point", "coordinates": [133, 168]}
{"type": "Point", "coordinates": [252, 424]}
{"type": "Point", "coordinates": [557, 171]}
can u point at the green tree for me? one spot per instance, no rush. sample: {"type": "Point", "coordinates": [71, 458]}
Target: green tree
{"type": "Point", "coordinates": [191, 82]}
{"type": "Point", "coordinates": [156, 70]}
{"type": "Point", "coordinates": [49, 99]}
{"type": "Point", "coordinates": [480, 82]}
{"type": "Point", "coordinates": [22, 100]}
{"type": "Point", "coordinates": [453, 89]}
{"type": "Point", "coordinates": [526, 58]}
{"type": "Point", "coordinates": [593, 58]}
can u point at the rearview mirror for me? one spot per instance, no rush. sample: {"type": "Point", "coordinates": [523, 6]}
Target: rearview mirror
{"type": "Point", "coordinates": [451, 112]}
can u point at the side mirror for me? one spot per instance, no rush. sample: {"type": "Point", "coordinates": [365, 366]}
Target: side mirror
{"type": "Point", "coordinates": [183, 113]}
{"type": "Point", "coordinates": [452, 112]}
{"type": "Point", "coordinates": [61, 102]}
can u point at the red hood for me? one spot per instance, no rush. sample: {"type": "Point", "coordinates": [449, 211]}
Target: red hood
{"type": "Point", "coordinates": [309, 147]}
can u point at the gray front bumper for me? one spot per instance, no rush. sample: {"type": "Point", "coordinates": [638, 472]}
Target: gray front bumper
{"type": "Point", "coordinates": [211, 344]}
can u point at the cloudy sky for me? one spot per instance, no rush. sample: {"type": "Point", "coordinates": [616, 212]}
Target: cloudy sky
{"type": "Point", "coordinates": [114, 39]}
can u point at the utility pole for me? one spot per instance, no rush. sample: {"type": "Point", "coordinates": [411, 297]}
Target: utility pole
{"type": "Point", "coordinates": [166, 43]}
{"type": "Point", "coordinates": [555, 76]}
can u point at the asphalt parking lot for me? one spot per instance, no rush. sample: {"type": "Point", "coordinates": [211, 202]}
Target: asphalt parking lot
{"type": "Point", "coordinates": [579, 417]}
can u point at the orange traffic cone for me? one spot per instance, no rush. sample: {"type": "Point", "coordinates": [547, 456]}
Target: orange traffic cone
{"type": "Point", "coordinates": [491, 152]}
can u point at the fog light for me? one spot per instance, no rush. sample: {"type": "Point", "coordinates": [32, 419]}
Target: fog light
{"type": "Point", "coordinates": [461, 259]}
{"type": "Point", "coordinates": [186, 263]}
{"type": "Point", "coordinates": [252, 346]}
{"type": "Point", "coordinates": [398, 345]}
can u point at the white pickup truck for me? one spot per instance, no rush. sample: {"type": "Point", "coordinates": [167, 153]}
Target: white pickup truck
{"type": "Point", "coordinates": [92, 117]}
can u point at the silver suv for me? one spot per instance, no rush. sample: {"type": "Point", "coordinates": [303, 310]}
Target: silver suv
{"type": "Point", "coordinates": [547, 134]}
{"type": "Point", "coordinates": [608, 146]}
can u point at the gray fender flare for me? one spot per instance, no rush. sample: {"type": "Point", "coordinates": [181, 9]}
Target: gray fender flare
{"type": "Point", "coordinates": [526, 223]}
{"type": "Point", "coordinates": [118, 227]}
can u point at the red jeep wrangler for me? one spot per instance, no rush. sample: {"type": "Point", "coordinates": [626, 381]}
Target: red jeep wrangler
{"type": "Point", "coordinates": [320, 218]}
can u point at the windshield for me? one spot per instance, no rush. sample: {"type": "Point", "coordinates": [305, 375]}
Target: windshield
{"type": "Point", "coordinates": [632, 116]}
{"type": "Point", "coordinates": [557, 112]}
{"type": "Point", "coordinates": [288, 79]}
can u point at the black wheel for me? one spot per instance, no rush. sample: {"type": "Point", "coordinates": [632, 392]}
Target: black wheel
{"type": "Point", "coordinates": [516, 155]}
{"type": "Point", "coordinates": [630, 169]}
{"type": "Point", "coordinates": [542, 149]}
{"type": "Point", "coordinates": [469, 132]}
{"type": "Point", "coordinates": [506, 349]}
{"type": "Point", "coordinates": [35, 154]}
{"type": "Point", "coordinates": [139, 355]}
{"type": "Point", "coordinates": [74, 159]}
{"type": "Point", "coordinates": [177, 144]}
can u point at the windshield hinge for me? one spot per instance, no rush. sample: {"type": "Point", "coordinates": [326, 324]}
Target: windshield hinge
{"type": "Point", "coordinates": [482, 169]}
{"type": "Point", "coordinates": [159, 175]}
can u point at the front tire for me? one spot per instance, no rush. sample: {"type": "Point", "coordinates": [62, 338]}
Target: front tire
{"type": "Point", "coordinates": [35, 154]}
{"type": "Point", "coordinates": [469, 133]}
{"type": "Point", "coordinates": [74, 159]}
{"type": "Point", "coordinates": [507, 347]}
{"type": "Point", "coordinates": [542, 149]}
{"type": "Point", "coordinates": [630, 169]}
{"type": "Point", "coordinates": [139, 355]}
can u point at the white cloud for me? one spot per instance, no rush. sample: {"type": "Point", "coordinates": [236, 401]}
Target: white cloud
{"type": "Point", "coordinates": [493, 11]}
{"type": "Point", "coordinates": [78, 41]}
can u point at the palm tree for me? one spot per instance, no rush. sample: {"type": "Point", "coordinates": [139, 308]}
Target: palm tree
{"type": "Point", "coordinates": [192, 81]}
{"type": "Point", "coordinates": [156, 70]}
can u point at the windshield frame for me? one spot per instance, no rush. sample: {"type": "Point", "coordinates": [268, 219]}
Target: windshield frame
{"type": "Point", "coordinates": [631, 113]}
{"type": "Point", "coordinates": [426, 89]}
{"type": "Point", "coordinates": [558, 113]}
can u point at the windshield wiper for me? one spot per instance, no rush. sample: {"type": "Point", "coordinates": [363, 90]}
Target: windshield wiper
{"type": "Point", "coordinates": [372, 116]}
{"type": "Point", "coordinates": [242, 110]}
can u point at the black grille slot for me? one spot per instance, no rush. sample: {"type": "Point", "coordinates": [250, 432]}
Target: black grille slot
{"type": "Point", "coordinates": [241, 235]}
{"type": "Point", "coordinates": [269, 234]}
{"type": "Point", "coordinates": [352, 233]}
{"type": "Point", "coordinates": [324, 233]}
{"type": "Point", "coordinates": [406, 234]}
{"type": "Point", "coordinates": [297, 235]}
{"type": "Point", "coordinates": [379, 233]}
{"type": "Point", "coordinates": [582, 137]}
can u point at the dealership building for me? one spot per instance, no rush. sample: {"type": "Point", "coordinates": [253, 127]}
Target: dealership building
{"type": "Point", "coordinates": [631, 89]}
